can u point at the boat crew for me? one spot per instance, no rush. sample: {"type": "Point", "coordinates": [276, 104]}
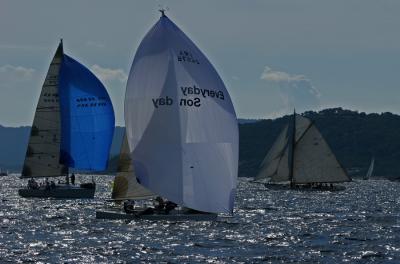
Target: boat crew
{"type": "Point", "coordinates": [73, 178]}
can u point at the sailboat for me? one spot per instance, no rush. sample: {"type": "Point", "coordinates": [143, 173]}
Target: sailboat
{"type": "Point", "coordinates": [72, 128]}
{"type": "Point", "coordinates": [300, 156]}
{"type": "Point", "coordinates": [370, 169]}
{"type": "Point", "coordinates": [181, 127]}
{"type": "Point", "coordinates": [3, 173]}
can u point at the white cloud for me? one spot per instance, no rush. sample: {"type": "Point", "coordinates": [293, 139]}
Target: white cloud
{"type": "Point", "coordinates": [296, 90]}
{"type": "Point", "coordinates": [109, 75]}
{"type": "Point", "coordinates": [9, 73]}
{"type": "Point", "coordinates": [279, 76]}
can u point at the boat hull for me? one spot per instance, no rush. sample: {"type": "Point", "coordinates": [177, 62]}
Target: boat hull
{"type": "Point", "coordinates": [303, 187]}
{"type": "Point", "coordinates": [60, 192]}
{"type": "Point", "coordinates": [177, 216]}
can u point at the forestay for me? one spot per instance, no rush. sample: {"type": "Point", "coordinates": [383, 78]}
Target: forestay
{"type": "Point", "coordinates": [181, 124]}
{"type": "Point", "coordinates": [125, 184]}
{"type": "Point", "coordinates": [43, 152]}
{"type": "Point", "coordinates": [87, 118]}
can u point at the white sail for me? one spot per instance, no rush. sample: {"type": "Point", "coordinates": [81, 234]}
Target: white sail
{"type": "Point", "coordinates": [370, 170]}
{"type": "Point", "coordinates": [314, 161]}
{"type": "Point", "coordinates": [276, 164]}
{"type": "Point", "coordinates": [43, 153]}
{"type": "Point", "coordinates": [270, 164]}
{"type": "Point", "coordinates": [302, 124]}
{"type": "Point", "coordinates": [283, 172]}
{"type": "Point", "coordinates": [125, 184]}
{"type": "Point", "coordinates": [181, 124]}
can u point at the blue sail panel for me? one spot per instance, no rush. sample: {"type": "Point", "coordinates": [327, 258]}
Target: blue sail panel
{"type": "Point", "coordinates": [87, 118]}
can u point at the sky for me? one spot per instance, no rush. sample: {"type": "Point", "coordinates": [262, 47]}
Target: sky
{"type": "Point", "coordinates": [272, 55]}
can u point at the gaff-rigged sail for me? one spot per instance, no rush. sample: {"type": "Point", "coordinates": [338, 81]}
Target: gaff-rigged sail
{"type": "Point", "coordinates": [181, 125]}
{"type": "Point", "coordinates": [314, 161]}
{"type": "Point", "coordinates": [87, 118]}
{"type": "Point", "coordinates": [125, 184]}
{"type": "Point", "coordinates": [43, 152]}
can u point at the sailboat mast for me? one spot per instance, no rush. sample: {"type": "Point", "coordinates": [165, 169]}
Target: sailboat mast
{"type": "Point", "coordinates": [291, 152]}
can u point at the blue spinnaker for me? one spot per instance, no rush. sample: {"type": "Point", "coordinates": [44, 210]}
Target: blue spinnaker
{"type": "Point", "coordinates": [87, 118]}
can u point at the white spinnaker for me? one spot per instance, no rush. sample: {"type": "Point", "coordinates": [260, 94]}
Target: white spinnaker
{"type": "Point", "coordinates": [314, 160]}
{"type": "Point", "coordinates": [186, 153]}
{"type": "Point", "coordinates": [125, 184]}
{"type": "Point", "coordinates": [43, 153]}
{"type": "Point", "coordinates": [269, 165]}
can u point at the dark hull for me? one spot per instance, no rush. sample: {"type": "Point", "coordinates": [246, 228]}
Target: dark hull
{"type": "Point", "coordinates": [173, 216]}
{"type": "Point", "coordinates": [304, 187]}
{"type": "Point", "coordinates": [60, 192]}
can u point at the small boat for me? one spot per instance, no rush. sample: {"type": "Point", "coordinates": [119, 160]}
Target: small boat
{"type": "Point", "coordinates": [3, 173]}
{"type": "Point", "coordinates": [370, 171]}
{"type": "Point", "coordinates": [181, 131]}
{"type": "Point", "coordinates": [301, 157]}
{"type": "Point", "coordinates": [72, 128]}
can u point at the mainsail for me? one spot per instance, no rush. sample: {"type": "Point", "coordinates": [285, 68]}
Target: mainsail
{"type": "Point", "coordinates": [43, 152]}
{"type": "Point", "coordinates": [370, 169]}
{"type": "Point", "coordinates": [312, 160]}
{"type": "Point", "coordinates": [181, 125]}
{"type": "Point", "coordinates": [87, 118]}
{"type": "Point", "coordinates": [125, 184]}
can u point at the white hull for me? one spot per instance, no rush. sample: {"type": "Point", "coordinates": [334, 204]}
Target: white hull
{"type": "Point", "coordinates": [172, 216]}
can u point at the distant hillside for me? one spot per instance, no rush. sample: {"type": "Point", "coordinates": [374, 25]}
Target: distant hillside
{"type": "Point", "coordinates": [354, 137]}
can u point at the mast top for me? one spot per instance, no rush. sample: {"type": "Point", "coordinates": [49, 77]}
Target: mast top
{"type": "Point", "coordinates": [162, 11]}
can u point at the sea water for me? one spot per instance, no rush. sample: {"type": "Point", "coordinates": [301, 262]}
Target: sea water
{"type": "Point", "coordinates": [360, 224]}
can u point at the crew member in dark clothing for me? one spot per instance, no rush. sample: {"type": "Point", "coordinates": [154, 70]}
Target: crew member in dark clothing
{"type": "Point", "coordinates": [169, 206]}
{"type": "Point", "coordinates": [73, 178]}
{"type": "Point", "coordinates": [129, 206]}
{"type": "Point", "coordinates": [159, 204]}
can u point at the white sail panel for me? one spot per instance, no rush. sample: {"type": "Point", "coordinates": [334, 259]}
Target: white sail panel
{"type": "Point", "coordinates": [125, 184]}
{"type": "Point", "coordinates": [314, 160]}
{"type": "Point", "coordinates": [370, 169]}
{"type": "Point", "coordinates": [282, 174]}
{"type": "Point", "coordinates": [302, 124]}
{"type": "Point", "coordinates": [181, 124]}
{"type": "Point", "coordinates": [43, 153]}
{"type": "Point", "coordinates": [269, 165]}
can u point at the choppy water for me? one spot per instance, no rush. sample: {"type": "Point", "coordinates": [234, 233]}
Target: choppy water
{"type": "Point", "coordinates": [360, 224]}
